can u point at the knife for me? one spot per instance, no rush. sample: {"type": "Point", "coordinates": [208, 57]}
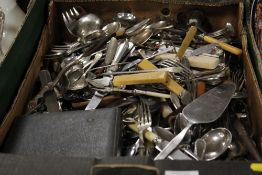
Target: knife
{"type": "Point", "coordinates": [202, 110]}
{"type": "Point", "coordinates": [204, 49]}
{"type": "Point", "coordinates": [168, 136]}
{"type": "Point", "coordinates": [160, 144]}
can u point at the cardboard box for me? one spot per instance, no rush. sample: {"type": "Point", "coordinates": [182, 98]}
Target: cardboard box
{"type": "Point", "coordinates": [218, 14]}
{"type": "Point", "coordinates": [20, 55]}
{"type": "Point", "coordinates": [252, 46]}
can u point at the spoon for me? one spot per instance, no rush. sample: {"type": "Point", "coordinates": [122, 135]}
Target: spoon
{"type": "Point", "coordinates": [200, 148]}
{"type": "Point", "coordinates": [128, 17]}
{"type": "Point", "coordinates": [229, 29]}
{"type": "Point", "coordinates": [87, 24]}
{"type": "Point", "coordinates": [142, 37]}
{"type": "Point", "coordinates": [201, 110]}
{"type": "Point", "coordinates": [111, 28]}
{"type": "Point", "coordinates": [137, 28]}
{"type": "Point", "coordinates": [159, 25]}
{"type": "Point", "coordinates": [216, 142]}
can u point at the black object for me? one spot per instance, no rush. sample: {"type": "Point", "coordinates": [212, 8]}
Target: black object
{"type": "Point", "coordinates": [46, 165]}
{"type": "Point", "coordinates": [77, 134]}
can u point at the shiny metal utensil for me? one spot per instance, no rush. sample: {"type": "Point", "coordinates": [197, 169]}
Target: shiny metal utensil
{"type": "Point", "coordinates": [50, 86]}
{"type": "Point", "coordinates": [142, 37]}
{"type": "Point", "coordinates": [144, 122]}
{"type": "Point", "coordinates": [111, 51]}
{"type": "Point", "coordinates": [50, 97]}
{"type": "Point", "coordinates": [168, 136]}
{"type": "Point", "coordinates": [175, 100]}
{"type": "Point", "coordinates": [76, 75]}
{"type": "Point", "coordinates": [203, 49]}
{"type": "Point", "coordinates": [164, 133]}
{"type": "Point", "coordinates": [228, 30]}
{"type": "Point", "coordinates": [66, 51]}
{"type": "Point", "coordinates": [168, 69]}
{"type": "Point", "coordinates": [131, 64]}
{"type": "Point", "coordinates": [200, 148]}
{"type": "Point", "coordinates": [121, 50]}
{"type": "Point", "coordinates": [160, 25]}
{"type": "Point", "coordinates": [134, 92]}
{"type": "Point", "coordinates": [238, 77]}
{"type": "Point", "coordinates": [73, 75]}
{"type": "Point", "coordinates": [111, 28]}
{"type": "Point", "coordinates": [88, 23]}
{"type": "Point", "coordinates": [160, 51]}
{"type": "Point", "coordinates": [128, 17]}
{"type": "Point", "coordinates": [201, 110]}
{"type": "Point", "coordinates": [137, 27]}
{"type": "Point", "coordinates": [93, 35]}
{"type": "Point", "coordinates": [217, 142]}
{"type": "Point", "coordinates": [70, 18]}
{"type": "Point", "coordinates": [160, 144]}
{"type": "Point", "coordinates": [81, 26]}
{"type": "Point", "coordinates": [186, 73]}
{"type": "Point", "coordinates": [64, 47]}
{"type": "Point", "coordinates": [95, 101]}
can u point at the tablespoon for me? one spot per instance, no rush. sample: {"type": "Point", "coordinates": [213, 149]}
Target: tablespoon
{"type": "Point", "coordinates": [216, 141]}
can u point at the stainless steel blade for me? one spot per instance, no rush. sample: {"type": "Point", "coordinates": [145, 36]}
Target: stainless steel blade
{"type": "Point", "coordinates": [205, 109]}
{"type": "Point", "coordinates": [164, 134]}
{"type": "Point", "coordinates": [209, 106]}
{"type": "Point", "coordinates": [95, 101]}
{"type": "Point", "coordinates": [204, 49]}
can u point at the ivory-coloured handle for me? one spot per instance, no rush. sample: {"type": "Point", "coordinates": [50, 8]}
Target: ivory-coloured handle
{"type": "Point", "coordinates": [150, 136]}
{"type": "Point", "coordinates": [232, 49]}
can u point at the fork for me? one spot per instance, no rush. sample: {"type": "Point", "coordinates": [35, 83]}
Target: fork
{"type": "Point", "coordinates": [186, 73]}
{"type": "Point", "coordinates": [70, 18]}
{"type": "Point", "coordinates": [144, 122]}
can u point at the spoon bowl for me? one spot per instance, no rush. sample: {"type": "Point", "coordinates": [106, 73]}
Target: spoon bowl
{"type": "Point", "coordinates": [217, 142]}
{"type": "Point", "coordinates": [111, 28]}
{"type": "Point", "coordinates": [142, 37]}
{"type": "Point", "coordinates": [86, 24]}
{"type": "Point", "coordinates": [159, 25]}
{"type": "Point", "coordinates": [128, 17]}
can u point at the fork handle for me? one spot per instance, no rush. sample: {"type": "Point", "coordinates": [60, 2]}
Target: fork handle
{"type": "Point", "coordinates": [141, 147]}
{"type": "Point", "coordinates": [150, 136]}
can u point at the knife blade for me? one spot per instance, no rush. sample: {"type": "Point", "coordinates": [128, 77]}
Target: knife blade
{"type": "Point", "coordinates": [204, 49]}
{"type": "Point", "coordinates": [95, 101]}
{"type": "Point", "coordinates": [202, 110]}
{"type": "Point", "coordinates": [161, 144]}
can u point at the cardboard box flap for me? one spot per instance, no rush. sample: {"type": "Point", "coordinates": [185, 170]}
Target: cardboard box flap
{"type": "Point", "coordinates": [188, 2]}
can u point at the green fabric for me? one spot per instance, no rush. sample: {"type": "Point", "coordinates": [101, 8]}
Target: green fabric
{"type": "Point", "coordinates": [13, 69]}
{"type": "Point", "coordinates": [252, 49]}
